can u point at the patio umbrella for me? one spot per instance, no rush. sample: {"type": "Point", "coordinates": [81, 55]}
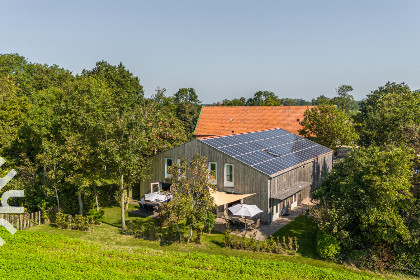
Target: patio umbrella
{"type": "Point", "coordinates": [245, 210]}
{"type": "Point", "coordinates": [155, 197]}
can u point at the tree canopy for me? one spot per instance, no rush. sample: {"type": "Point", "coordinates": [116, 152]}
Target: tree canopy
{"type": "Point", "coordinates": [328, 126]}
{"type": "Point", "coordinates": [367, 206]}
{"type": "Point", "coordinates": [387, 114]}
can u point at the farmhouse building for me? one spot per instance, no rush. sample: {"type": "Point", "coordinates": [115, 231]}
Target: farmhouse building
{"type": "Point", "coordinates": [272, 169]}
{"type": "Point", "coordinates": [230, 120]}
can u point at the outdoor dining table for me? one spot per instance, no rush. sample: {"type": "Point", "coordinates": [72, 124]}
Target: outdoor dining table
{"type": "Point", "coordinates": [241, 220]}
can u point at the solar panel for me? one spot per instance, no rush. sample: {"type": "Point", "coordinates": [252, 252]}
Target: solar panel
{"type": "Point", "coordinates": [269, 151]}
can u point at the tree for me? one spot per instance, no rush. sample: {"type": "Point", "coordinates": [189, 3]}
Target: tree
{"type": "Point", "coordinates": [344, 100]}
{"type": "Point", "coordinates": [32, 77]}
{"type": "Point", "coordinates": [328, 126]}
{"type": "Point", "coordinates": [118, 78]}
{"type": "Point", "coordinates": [234, 102]}
{"type": "Point", "coordinates": [12, 109]}
{"type": "Point", "coordinates": [321, 100]}
{"type": "Point", "coordinates": [263, 98]}
{"type": "Point", "coordinates": [387, 113]}
{"type": "Point", "coordinates": [367, 206]}
{"type": "Point", "coordinates": [64, 130]}
{"type": "Point", "coordinates": [192, 201]}
{"type": "Point", "coordinates": [187, 108]}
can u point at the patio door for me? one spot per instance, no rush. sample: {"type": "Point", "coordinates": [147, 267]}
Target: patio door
{"type": "Point", "coordinates": [294, 201]}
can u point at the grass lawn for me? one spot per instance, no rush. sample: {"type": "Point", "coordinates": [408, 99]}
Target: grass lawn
{"type": "Point", "coordinates": [108, 237]}
{"type": "Point", "coordinates": [305, 230]}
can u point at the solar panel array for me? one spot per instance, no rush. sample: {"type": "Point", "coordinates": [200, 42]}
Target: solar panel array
{"type": "Point", "coordinates": [269, 151]}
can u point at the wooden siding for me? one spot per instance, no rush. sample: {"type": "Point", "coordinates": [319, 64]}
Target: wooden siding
{"type": "Point", "coordinates": [313, 172]}
{"type": "Point", "coordinates": [246, 179]}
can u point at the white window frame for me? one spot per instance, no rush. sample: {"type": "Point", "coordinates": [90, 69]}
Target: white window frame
{"type": "Point", "coordinates": [213, 181]}
{"type": "Point", "coordinates": [153, 184]}
{"type": "Point", "coordinates": [228, 183]}
{"type": "Point", "coordinates": [167, 175]}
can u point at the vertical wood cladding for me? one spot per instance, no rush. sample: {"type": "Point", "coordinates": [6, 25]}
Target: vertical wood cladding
{"type": "Point", "coordinates": [246, 179]}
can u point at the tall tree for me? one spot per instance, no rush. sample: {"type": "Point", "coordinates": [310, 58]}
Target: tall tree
{"type": "Point", "coordinates": [367, 206]}
{"type": "Point", "coordinates": [344, 100]}
{"type": "Point", "coordinates": [12, 109]}
{"type": "Point", "coordinates": [328, 126]}
{"type": "Point", "coordinates": [187, 108]}
{"type": "Point", "coordinates": [387, 113]}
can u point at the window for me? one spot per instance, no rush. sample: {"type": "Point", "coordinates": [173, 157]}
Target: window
{"type": "Point", "coordinates": [168, 163]}
{"type": "Point", "coordinates": [228, 175]}
{"type": "Point", "coordinates": [213, 172]}
{"type": "Point", "coordinates": [154, 187]}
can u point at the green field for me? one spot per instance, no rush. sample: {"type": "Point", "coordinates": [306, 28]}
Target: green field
{"type": "Point", "coordinates": [45, 252]}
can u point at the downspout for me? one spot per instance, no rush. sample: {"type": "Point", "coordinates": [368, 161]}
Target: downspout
{"type": "Point", "coordinates": [270, 203]}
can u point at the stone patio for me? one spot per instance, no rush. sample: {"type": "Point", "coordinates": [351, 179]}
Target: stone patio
{"type": "Point", "coordinates": [265, 231]}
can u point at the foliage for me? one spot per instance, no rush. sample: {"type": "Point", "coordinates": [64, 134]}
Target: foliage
{"type": "Point", "coordinates": [327, 246]}
{"type": "Point", "coordinates": [209, 222]}
{"type": "Point", "coordinates": [78, 222]}
{"type": "Point", "coordinates": [118, 78]}
{"type": "Point", "coordinates": [76, 137]}
{"type": "Point", "coordinates": [192, 200]}
{"type": "Point", "coordinates": [387, 114]}
{"type": "Point", "coordinates": [321, 100]}
{"type": "Point", "coordinates": [96, 215]}
{"type": "Point", "coordinates": [328, 126]}
{"type": "Point", "coordinates": [370, 182]}
{"type": "Point", "coordinates": [187, 108]}
{"type": "Point", "coordinates": [274, 245]}
{"type": "Point", "coordinates": [344, 100]}
{"type": "Point", "coordinates": [12, 109]}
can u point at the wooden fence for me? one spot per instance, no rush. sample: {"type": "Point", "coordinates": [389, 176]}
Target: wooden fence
{"type": "Point", "coordinates": [23, 221]}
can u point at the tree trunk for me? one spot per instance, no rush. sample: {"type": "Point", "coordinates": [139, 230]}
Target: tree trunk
{"type": "Point", "coordinates": [79, 198]}
{"type": "Point", "coordinates": [179, 230]}
{"type": "Point", "coordinates": [191, 233]}
{"type": "Point", "coordinates": [127, 200]}
{"type": "Point", "coordinates": [56, 193]}
{"type": "Point", "coordinates": [96, 199]}
{"type": "Point", "coordinates": [58, 200]}
{"type": "Point", "coordinates": [123, 226]}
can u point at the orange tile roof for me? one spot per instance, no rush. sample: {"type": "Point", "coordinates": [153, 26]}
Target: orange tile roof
{"type": "Point", "coordinates": [229, 120]}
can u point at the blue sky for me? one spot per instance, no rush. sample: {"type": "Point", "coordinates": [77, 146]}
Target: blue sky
{"type": "Point", "coordinates": [225, 49]}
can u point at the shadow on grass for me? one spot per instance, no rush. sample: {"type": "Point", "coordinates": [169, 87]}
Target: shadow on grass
{"type": "Point", "coordinates": [218, 243]}
{"type": "Point", "coordinates": [305, 229]}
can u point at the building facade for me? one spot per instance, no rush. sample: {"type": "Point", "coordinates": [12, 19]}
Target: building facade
{"type": "Point", "coordinates": [278, 167]}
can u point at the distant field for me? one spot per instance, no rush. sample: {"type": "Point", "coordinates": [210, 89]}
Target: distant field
{"type": "Point", "coordinates": [38, 255]}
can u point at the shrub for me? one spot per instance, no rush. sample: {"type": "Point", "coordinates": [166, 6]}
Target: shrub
{"type": "Point", "coordinates": [270, 245]}
{"type": "Point", "coordinates": [79, 222]}
{"type": "Point", "coordinates": [60, 220]}
{"type": "Point", "coordinates": [327, 246]}
{"type": "Point", "coordinates": [82, 223]}
{"type": "Point", "coordinates": [145, 229]}
{"type": "Point", "coordinates": [96, 215]}
{"type": "Point", "coordinates": [209, 222]}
